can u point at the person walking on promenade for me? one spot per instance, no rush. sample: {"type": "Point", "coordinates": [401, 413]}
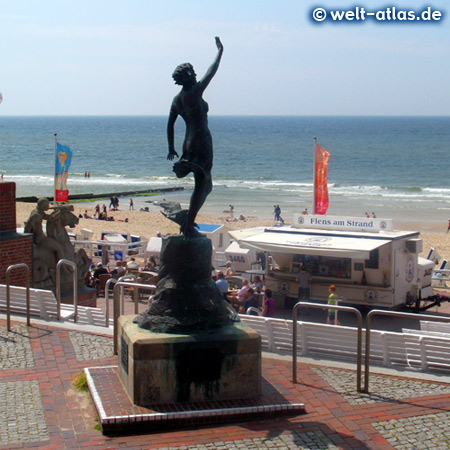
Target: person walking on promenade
{"type": "Point", "coordinates": [332, 300]}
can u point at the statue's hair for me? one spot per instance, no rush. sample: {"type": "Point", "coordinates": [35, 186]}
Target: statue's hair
{"type": "Point", "coordinates": [179, 72]}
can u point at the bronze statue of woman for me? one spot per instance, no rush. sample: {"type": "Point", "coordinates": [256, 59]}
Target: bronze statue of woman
{"type": "Point", "coordinates": [197, 156]}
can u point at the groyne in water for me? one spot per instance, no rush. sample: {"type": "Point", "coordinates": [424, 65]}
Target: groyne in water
{"type": "Point", "coordinates": [87, 197]}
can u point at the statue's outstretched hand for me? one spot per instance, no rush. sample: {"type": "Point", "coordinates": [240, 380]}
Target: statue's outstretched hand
{"type": "Point", "coordinates": [172, 154]}
{"type": "Point", "coordinates": [219, 44]}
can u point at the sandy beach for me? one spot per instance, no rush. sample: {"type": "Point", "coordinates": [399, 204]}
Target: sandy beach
{"type": "Point", "coordinates": [147, 224]}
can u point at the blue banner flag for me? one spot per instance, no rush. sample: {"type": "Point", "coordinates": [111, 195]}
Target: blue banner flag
{"type": "Point", "coordinates": [63, 160]}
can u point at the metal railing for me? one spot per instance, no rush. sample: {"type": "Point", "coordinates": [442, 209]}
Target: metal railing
{"type": "Point", "coordinates": [8, 294]}
{"type": "Point", "coordinates": [62, 262]}
{"type": "Point", "coordinates": [253, 309]}
{"type": "Point", "coordinates": [355, 311]}
{"type": "Point", "coordinates": [380, 312]}
{"type": "Point", "coordinates": [95, 248]}
{"type": "Point", "coordinates": [128, 277]}
{"type": "Point", "coordinates": [118, 306]}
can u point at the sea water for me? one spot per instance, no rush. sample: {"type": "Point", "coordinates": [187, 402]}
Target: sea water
{"type": "Point", "coordinates": [396, 167]}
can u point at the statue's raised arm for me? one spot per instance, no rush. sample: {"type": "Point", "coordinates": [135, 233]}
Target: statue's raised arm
{"type": "Point", "coordinates": [203, 83]}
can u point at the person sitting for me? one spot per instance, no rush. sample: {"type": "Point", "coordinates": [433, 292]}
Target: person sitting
{"type": "Point", "coordinates": [250, 300]}
{"type": "Point", "coordinates": [100, 270]}
{"type": "Point", "coordinates": [269, 304]}
{"type": "Point", "coordinates": [238, 298]}
{"type": "Point", "coordinates": [118, 272]}
{"type": "Point", "coordinates": [222, 284]}
{"type": "Point", "coordinates": [86, 215]}
{"type": "Point", "coordinates": [151, 264]}
{"type": "Point", "coordinates": [229, 271]}
{"type": "Point", "coordinates": [132, 265]}
{"type": "Point", "coordinates": [257, 284]}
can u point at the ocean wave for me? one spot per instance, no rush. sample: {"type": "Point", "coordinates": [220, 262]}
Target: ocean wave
{"type": "Point", "coordinates": [78, 183]}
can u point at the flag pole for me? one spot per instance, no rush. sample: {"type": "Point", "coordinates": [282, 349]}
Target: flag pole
{"type": "Point", "coordinates": [314, 179]}
{"type": "Point", "coordinates": [54, 183]}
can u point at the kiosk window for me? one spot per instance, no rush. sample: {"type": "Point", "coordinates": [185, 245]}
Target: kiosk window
{"type": "Point", "coordinates": [372, 262]}
{"type": "Point", "coordinates": [326, 266]}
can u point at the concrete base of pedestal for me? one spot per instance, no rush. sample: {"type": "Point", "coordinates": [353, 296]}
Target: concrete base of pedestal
{"type": "Point", "coordinates": [171, 368]}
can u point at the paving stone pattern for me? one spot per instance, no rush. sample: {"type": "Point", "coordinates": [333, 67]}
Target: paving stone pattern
{"type": "Point", "coordinates": [89, 346]}
{"type": "Point", "coordinates": [417, 433]}
{"type": "Point", "coordinates": [15, 348]}
{"type": "Point", "coordinates": [381, 389]}
{"type": "Point", "coordinates": [311, 440]}
{"type": "Point", "coordinates": [22, 418]}
{"type": "Point", "coordinates": [40, 408]}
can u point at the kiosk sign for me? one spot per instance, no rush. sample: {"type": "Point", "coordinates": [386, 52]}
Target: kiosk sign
{"type": "Point", "coordinates": [342, 223]}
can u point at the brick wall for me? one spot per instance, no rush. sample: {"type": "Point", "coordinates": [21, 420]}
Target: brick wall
{"type": "Point", "coordinates": [7, 206]}
{"type": "Point", "coordinates": [14, 248]}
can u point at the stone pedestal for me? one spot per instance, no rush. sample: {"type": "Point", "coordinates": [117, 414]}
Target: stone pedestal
{"type": "Point", "coordinates": [171, 368]}
{"type": "Point", "coordinates": [187, 300]}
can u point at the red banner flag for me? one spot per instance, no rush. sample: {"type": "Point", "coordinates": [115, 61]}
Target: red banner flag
{"type": "Point", "coordinates": [321, 158]}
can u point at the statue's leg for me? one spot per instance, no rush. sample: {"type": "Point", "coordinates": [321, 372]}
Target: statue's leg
{"type": "Point", "coordinates": [203, 186]}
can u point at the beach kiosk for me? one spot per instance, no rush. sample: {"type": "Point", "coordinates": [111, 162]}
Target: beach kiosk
{"type": "Point", "coordinates": [370, 263]}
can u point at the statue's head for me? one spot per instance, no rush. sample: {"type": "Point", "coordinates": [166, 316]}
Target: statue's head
{"type": "Point", "coordinates": [43, 204]}
{"type": "Point", "coordinates": [184, 75]}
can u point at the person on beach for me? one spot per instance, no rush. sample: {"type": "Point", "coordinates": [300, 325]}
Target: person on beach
{"type": "Point", "coordinates": [277, 213]}
{"type": "Point", "coordinates": [131, 204]}
{"type": "Point", "coordinates": [197, 156]}
{"type": "Point", "coordinates": [448, 228]}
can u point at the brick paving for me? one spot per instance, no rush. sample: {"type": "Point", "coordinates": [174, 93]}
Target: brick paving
{"type": "Point", "coordinates": [382, 388]}
{"type": "Point", "coordinates": [39, 407]}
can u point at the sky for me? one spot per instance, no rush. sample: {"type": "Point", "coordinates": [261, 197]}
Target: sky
{"type": "Point", "coordinates": [114, 57]}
